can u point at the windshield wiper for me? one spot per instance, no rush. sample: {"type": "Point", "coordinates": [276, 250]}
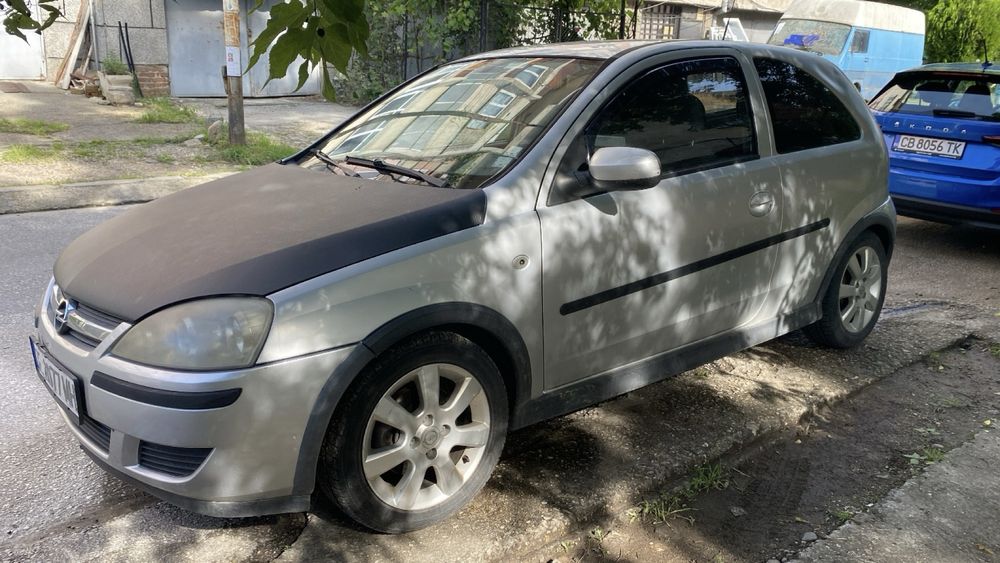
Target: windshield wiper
{"type": "Point", "coordinates": [325, 158]}
{"type": "Point", "coordinates": [386, 168]}
{"type": "Point", "coordinates": [954, 113]}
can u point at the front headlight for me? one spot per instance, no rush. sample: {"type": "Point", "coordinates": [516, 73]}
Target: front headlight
{"type": "Point", "coordinates": [210, 334]}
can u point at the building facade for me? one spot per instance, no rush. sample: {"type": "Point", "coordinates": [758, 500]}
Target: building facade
{"type": "Point", "coordinates": [177, 46]}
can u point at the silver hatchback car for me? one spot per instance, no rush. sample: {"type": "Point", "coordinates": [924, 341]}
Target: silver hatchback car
{"type": "Point", "coordinates": [503, 239]}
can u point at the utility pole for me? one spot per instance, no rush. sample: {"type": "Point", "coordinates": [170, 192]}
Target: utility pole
{"type": "Point", "coordinates": [621, 21]}
{"type": "Point", "coordinates": [234, 70]}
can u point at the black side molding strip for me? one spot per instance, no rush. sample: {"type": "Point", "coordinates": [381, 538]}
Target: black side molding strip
{"type": "Point", "coordinates": [198, 400]}
{"type": "Point", "coordinates": [664, 277]}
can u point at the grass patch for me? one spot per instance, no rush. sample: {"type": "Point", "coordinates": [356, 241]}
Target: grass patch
{"type": "Point", "coordinates": [20, 154]}
{"type": "Point", "coordinates": [708, 477]}
{"type": "Point", "coordinates": [165, 159]}
{"type": "Point", "coordinates": [114, 65]}
{"type": "Point", "coordinates": [164, 110]}
{"type": "Point", "coordinates": [995, 350]}
{"type": "Point", "coordinates": [260, 149]}
{"type": "Point", "coordinates": [662, 509]}
{"type": "Point", "coordinates": [842, 515]}
{"type": "Point", "coordinates": [31, 126]}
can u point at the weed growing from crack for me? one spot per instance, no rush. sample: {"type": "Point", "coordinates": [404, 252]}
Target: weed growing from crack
{"type": "Point", "coordinates": [708, 477]}
{"type": "Point", "coordinates": [842, 515]}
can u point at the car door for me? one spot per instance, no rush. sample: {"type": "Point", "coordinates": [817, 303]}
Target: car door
{"type": "Point", "coordinates": [629, 274]}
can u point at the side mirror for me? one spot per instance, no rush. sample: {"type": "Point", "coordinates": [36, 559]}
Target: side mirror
{"type": "Point", "coordinates": [624, 168]}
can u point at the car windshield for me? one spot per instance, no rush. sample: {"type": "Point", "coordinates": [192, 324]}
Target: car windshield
{"type": "Point", "coordinates": [822, 37]}
{"type": "Point", "coordinates": [464, 122]}
{"type": "Point", "coordinates": [969, 97]}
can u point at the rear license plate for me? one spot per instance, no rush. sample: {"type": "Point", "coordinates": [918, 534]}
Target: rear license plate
{"type": "Point", "coordinates": [927, 145]}
{"type": "Point", "coordinates": [65, 387]}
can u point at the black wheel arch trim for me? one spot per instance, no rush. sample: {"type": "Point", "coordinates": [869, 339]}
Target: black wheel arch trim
{"type": "Point", "coordinates": [875, 221]}
{"type": "Point", "coordinates": [437, 316]}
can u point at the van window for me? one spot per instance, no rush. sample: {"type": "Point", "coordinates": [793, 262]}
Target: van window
{"type": "Point", "coordinates": [826, 38]}
{"type": "Point", "coordinates": [694, 115]}
{"type": "Point", "coordinates": [859, 44]}
{"type": "Point", "coordinates": [805, 114]}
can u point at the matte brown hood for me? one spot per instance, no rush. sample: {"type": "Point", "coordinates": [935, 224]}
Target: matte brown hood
{"type": "Point", "coordinates": [252, 234]}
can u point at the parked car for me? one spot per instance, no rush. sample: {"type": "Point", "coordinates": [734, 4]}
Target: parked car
{"type": "Point", "coordinates": [869, 41]}
{"type": "Point", "coordinates": [501, 240]}
{"type": "Point", "coordinates": [941, 123]}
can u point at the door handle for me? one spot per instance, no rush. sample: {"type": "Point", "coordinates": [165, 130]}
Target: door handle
{"type": "Point", "coordinates": [761, 203]}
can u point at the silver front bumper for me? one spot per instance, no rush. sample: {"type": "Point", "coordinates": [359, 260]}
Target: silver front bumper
{"type": "Point", "coordinates": [254, 442]}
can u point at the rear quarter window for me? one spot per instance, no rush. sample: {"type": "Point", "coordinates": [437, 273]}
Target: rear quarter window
{"type": "Point", "coordinates": [805, 114]}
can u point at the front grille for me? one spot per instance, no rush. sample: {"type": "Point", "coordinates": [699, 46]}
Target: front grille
{"type": "Point", "coordinates": [97, 317]}
{"type": "Point", "coordinates": [96, 432]}
{"type": "Point", "coordinates": [81, 324]}
{"type": "Point", "coordinates": [178, 462]}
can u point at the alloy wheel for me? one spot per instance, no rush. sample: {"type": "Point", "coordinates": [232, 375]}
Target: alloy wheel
{"type": "Point", "coordinates": [426, 436]}
{"type": "Point", "coordinates": [860, 289]}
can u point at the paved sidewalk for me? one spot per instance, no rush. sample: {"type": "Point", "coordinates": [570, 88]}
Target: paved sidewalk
{"type": "Point", "coordinates": [948, 513]}
{"type": "Point", "coordinates": [47, 197]}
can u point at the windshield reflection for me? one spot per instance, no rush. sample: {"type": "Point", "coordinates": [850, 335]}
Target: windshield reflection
{"type": "Point", "coordinates": [464, 122]}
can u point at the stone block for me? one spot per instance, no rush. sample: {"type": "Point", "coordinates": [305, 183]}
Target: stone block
{"type": "Point", "coordinates": [149, 46]}
{"type": "Point", "coordinates": [56, 39]}
{"type": "Point", "coordinates": [159, 14]}
{"type": "Point", "coordinates": [135, 13]}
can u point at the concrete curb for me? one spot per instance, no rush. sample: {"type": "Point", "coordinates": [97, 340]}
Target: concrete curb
{"type": "Point", "coordinates": [48, 197]}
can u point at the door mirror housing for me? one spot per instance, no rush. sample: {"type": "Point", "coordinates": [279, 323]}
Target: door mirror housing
{"type": "Point", "coordinates": [624, 168]}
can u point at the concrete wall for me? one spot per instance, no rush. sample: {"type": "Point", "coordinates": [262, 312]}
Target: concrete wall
{"type": "Point", "coordinates": [147, 33]}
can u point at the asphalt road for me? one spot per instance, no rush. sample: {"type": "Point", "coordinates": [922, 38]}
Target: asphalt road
{"type": "Point", "coordinates": [48, 486]}
{"type": "Point", "coordinates": [45, 477]}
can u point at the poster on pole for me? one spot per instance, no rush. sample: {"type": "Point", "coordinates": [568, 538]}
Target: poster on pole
{"type": "Point", "coordinates": [233, 66]}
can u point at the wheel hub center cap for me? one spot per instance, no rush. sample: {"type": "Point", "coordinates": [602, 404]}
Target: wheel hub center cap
{"type": "Point", "coordinates": [430, 437]}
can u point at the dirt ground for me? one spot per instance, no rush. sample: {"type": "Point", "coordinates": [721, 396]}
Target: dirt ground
{"type": "Point", "coordinates": [105, 142]}
{"type": "Point", "coordinates": [812, 478]}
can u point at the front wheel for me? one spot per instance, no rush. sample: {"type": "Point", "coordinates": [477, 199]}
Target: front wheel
{"type": "Point", "coordinates": [418, 434]}
{"type": "Point", "coordinates": [853, 301]}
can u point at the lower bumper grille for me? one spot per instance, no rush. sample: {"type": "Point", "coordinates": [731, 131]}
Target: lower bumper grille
{"type": "Point", "coordinates": [178, 462]}
{"type": "Point", "coordinates": [96, 432]}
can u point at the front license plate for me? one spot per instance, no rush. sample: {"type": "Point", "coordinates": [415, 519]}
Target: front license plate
{"type": "Point", "coordinates": [927, 145]}
{"type": "Point", "coordinates": [65, 387]}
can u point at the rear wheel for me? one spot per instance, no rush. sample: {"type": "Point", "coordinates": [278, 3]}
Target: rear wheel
{"type": "Point", "coordinates": [418, 435]}
{"type": "Point", "coordinates": [853, 302]}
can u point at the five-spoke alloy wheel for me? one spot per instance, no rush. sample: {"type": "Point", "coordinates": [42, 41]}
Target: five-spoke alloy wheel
{"type": "Point", "coordinates": [417, 434]}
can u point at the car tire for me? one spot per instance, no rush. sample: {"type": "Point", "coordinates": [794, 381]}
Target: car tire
{"type": "Point", "coordinates": [853, 301]}
{"type": "Point", "coordinates": [446, 451]}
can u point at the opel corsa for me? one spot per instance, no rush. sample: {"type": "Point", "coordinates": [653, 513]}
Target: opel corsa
{"type": "Point", "coordinates": [501, 240]}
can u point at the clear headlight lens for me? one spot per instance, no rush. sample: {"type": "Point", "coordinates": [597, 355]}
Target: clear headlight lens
{"type": "Point", "coordinates": [218, 333]}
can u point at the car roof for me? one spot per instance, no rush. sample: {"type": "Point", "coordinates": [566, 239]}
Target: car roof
{"type": "Point", "coordinates": [965, 68]}
{"type": "Point", "coordinates": [606, 49]}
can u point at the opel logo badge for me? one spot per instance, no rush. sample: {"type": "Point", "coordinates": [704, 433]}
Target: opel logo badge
{"type": "Point", "coordinates": [64, 308]}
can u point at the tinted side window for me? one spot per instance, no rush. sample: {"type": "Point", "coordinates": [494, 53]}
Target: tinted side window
{"type": "Point", "coordinates": [693, 115]}
{"type": "Point", "coordinates": [805, 114]}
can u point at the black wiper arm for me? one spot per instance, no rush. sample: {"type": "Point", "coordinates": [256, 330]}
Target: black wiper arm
{"type": "Point", "coordinates": [385, 167]}
{"type": "Point", "coordinates": [954, 113]}
{"type": "Point", "coordinates": [326, 159]}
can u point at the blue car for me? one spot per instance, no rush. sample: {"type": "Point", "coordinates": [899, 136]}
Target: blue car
{"type": "Point", "coordinates": [941, 124]}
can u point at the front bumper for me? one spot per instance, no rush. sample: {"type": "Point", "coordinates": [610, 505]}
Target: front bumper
{"type": "Point", "coordinates": [252, 443]}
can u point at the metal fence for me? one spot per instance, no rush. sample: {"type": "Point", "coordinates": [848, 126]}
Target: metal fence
{"type": "Point", "coordinates": [401, 46]}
